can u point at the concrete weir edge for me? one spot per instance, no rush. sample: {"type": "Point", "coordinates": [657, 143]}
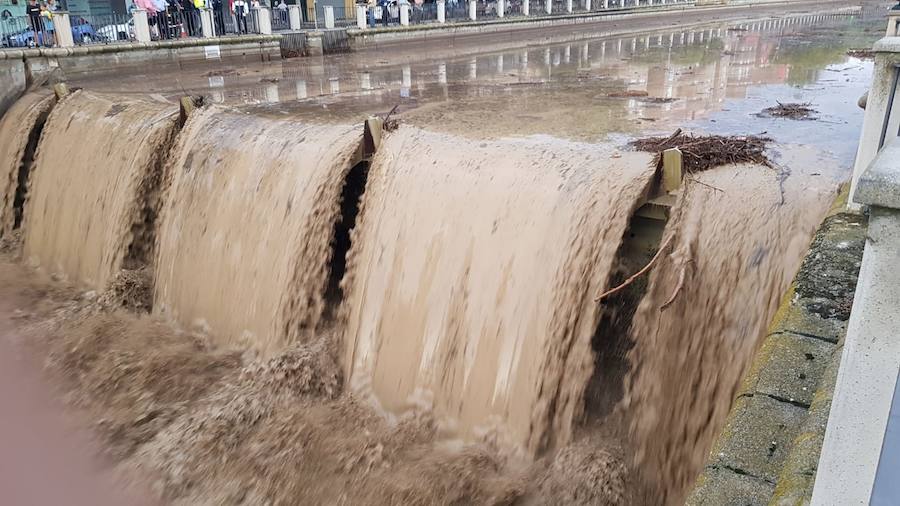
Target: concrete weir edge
{"type": "Point", "coordinates": [768, 451]}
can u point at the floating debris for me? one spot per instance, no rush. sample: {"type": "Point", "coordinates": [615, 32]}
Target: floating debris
{"type": "Point", "coordinates": [863, 54]}
{"type": "Point", "coordinates": [790, 111]}
{"type": "Point", "coordinates": [628, 94]}
{"type": "Point", "coordinates": [704, 152]}
{"type": "Point", "coordinates": [658, 100]}
{"type": "Point", "coordinates": [390, 124]}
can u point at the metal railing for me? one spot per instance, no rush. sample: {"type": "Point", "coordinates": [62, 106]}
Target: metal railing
{"type": "Point", "coordinates": [457, 11]}
{"type": "Point", "coordinates": [174, 23]}
{"type": "Point", "coordinates": [20, 32]}
{"type": "Point", "coordinates": [102, 29]}
{"type": "Point", "coordinates": [342, 16]}
{"type": "Point", "coordinates": [281, 19]}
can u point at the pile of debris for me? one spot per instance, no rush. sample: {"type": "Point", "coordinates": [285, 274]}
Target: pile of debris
{"type": "Point", "coordinates": [862, 54]}
{"type": "Point", "coordinates": [790, 111]}
{"type": "Point", "coordinates": [704, 152]}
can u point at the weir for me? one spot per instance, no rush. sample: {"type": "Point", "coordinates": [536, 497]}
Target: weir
{"type": "Point", "coordinates": [454, 277]}
{"type": "Point", "coordinates": [20, 131]}
{"type": "Point", "coordinates": [471, 302]}
{"type": "Point", "coordinates": [245, 240]}
{"type": "Point", "coordinates": [95, 169]}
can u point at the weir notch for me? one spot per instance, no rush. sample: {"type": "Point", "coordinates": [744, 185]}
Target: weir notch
{"type": "Point", "coordinates": [640, 244]}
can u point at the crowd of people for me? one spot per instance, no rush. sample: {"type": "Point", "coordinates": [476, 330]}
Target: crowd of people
{"type": "Point", "coordinates": [181, 18]}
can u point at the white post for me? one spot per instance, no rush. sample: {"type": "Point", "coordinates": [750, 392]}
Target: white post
{"type": "Point", "coordinates": [441, 11]}
{"type": "Point", "coordinates": [404, 14]}
{"type": "Point", "coordinates": [472, 14]}
{"type": "Point", "coordinates": [501, 8]}
{"type": "Point", "coordinates": [526, 9]}
{"type": "Point", "coordinates": [141, 26]}
{"type": "Point", "coordinates": [206, 24]}
{"type": "Point", "coordinates": [587, 5]}
{"type": "Point", "coordinates": [548, 6]}
{"type": "Point", "coordinates": [569, 6]}
{"type": "Point", "coordinates": [264, 20]}
{"type": "Point", "coordinates": [294, 16]}
{"type": "Point", "coordinates": [329, 16]}
{"type": "Point", "coordinates": [361, 11]}
{"type": "Point", "coordinates": [406, 79]}
{"type": "Point", "coordinates": [893, 28]}
{"type": "Point", "coordinates": [605, 4]}
{"type": "Point", "coordinates": [63, 28]}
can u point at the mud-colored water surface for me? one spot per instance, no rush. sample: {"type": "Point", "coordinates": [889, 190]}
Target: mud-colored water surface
{"type": "Point", "coordinates": [94, 184]}
{"type": "Point", "coordinates": [421, 326]}
{"type": "Point", "coordinates": [245, 230]}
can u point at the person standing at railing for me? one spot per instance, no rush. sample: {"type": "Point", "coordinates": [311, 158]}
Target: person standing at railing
{"type": "Point", "coordinates": [218, 8]}
{"type": "Point", "coordinates": [240, 15]}
{"type": "Point", "coordinates": [199, 5]}
{"type": "Point", "coordinates": [191, 17]}
{"type": "Point", "coordinates": [385, 11]}
{"type": "Point", "coordinates": [47, 18]}
{"type": "Point", "coordinates": [33, 11]}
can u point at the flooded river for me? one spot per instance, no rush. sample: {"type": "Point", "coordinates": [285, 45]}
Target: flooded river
{"type": "Point", "coordinates": [423, 325]}
{"type": "Point", "coordinates": [710, 77]}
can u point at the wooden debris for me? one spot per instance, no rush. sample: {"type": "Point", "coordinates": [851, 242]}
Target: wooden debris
{"type": "Point", "coordinates": [790, 111]}
{"type": "Point", "coordinates": [637, 274]}
{"type": "Point", "coordinates": [863, 54]}
{"type": "Point", "coordinates": [628, 94]}
{"type": "Point", "coordinates": [704, 152]}
{"type": "Point", "coordinates": [390, 124]}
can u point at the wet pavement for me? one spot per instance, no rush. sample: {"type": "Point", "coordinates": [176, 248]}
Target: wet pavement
{"type": "Point", "coordinates": [713, 78]}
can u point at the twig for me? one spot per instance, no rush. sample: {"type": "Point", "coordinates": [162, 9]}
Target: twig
{"type": "Point", "coordinates": [677, 288]}
{"type": "Point", "coordinates": [391, 112]}
{"type": "Point", "coordinates": [693, 180]}
{"type": "Point", "coordinates": [638, 273]}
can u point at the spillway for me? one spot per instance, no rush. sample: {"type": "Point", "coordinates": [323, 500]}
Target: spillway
{"type": "Point", "coordinates": [738, 238]}
{"type": "Point", "coordinates": [20, 130]}
{"type": "Point", "coordinates": [93, 183]}
{"type": "Point", "coordinates": [245, 235]}
{"type": "Point", "coordinates": [447, 275]}
{"type": "Point", "coordinates": [471, 284]}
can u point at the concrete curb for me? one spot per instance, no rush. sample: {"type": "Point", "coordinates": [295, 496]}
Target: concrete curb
{"type": "Point", "coordinates": [62, 52]}
{"type": "Point", "coordinates": [515, 23]}
{"type": "Point", "coordinates": [769, 449]}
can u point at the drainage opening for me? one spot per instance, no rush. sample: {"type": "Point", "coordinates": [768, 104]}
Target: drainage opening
{"type": "Point", "coordinates": [351, 195]}
{"type": "Point", "coordinates": [25, 168]}
{"type": "Point", "coordinates": [612, 338]}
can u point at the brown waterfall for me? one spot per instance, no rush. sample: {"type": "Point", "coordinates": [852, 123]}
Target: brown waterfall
{"type": "Point", "coordinates": [20, 129]}
{"type": "Point", "coordinates": [244, 238]}
{"type": "Point", "coordinates": [96, 167]}
{"type": "Point", "coordinates": [473, 276]}
{"type": "Point", "coordinates": [436, 348]}
{"type": "Point", "coordinates": [739, 237]}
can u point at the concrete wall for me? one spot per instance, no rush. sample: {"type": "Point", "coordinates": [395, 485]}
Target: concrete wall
{"type": "Point", "coordinates": [39, 63]}
{"type": "Point", "coordinates": [12, 82]}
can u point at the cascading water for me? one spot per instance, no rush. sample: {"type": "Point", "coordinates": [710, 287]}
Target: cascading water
{"type": "Point", "coordinates": [469, 294]}
{"type": "Point", "coordinates": [96, 167]}
{"type": "Point", "coordinates": [20, 130]}
{"type": "Point", "coordinates": [244, 238]}
{"type": "Point", "coordinates": [471, 290]}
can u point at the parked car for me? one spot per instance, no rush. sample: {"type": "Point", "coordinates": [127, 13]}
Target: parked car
{"type": "Point", "coordinates": [82, 31]}
{"type": "Point", "coordinates": [110, 33]}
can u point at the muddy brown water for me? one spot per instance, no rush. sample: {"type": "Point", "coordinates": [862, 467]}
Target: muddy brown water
{"type": "Point", "coordinates": [448, 359]}
{"type": "Point", "coordinates": [245, 230]}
